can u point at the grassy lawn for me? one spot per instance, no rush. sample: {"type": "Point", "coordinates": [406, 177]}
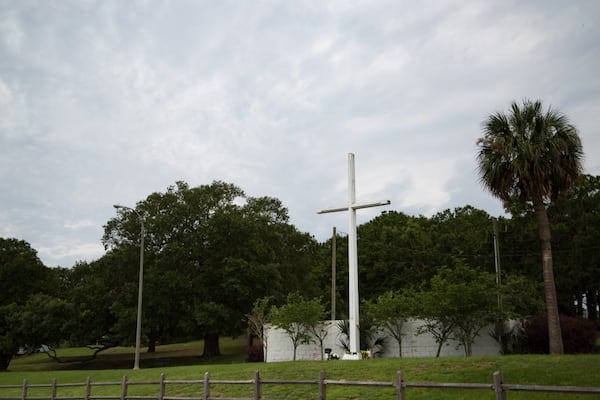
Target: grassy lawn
{"type": "Point", "coordinates": [183, 362]}
{"type": "Point", "coordinates": [233, 351]}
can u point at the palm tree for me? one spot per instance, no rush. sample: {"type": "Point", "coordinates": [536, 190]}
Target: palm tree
{"type": "Point", "coordinates": [532, 156]}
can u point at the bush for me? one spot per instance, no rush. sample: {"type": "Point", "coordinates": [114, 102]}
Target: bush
{"type": "Point", "coordinates": [578, 334]}
{"type": "Point", "coordinates": [255, 353]}
{"type": "Point", "coordinates": [513, 340]}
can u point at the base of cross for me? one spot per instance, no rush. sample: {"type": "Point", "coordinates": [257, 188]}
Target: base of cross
{"type": "Point", "coordinates": [353, 356]}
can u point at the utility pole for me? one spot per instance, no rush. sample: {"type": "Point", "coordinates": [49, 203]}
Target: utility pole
{"type": "Point", "coordinates": [500, 327]}
{"type": "Point", "coordinates": [497, 260]}
{"type": "Point", "coordinates": [333, 273]}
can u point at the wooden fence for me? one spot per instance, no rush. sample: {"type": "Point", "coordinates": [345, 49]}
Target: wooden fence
{"type": "Point", "coordinates": [399, 384]}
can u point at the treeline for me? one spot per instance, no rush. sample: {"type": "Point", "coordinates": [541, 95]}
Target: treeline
{"type": "Point", "coordinates": [211, 251]}
{"type": "Point", "coordinates": [398, 251]}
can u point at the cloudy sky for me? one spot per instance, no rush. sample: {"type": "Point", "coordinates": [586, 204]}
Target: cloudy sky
{"type": "Point", "coordinates": [105, 102]}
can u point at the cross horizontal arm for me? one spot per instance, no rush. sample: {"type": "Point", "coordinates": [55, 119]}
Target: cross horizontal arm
{"type": "Point", "coordinates": [356, 206]}
{"type": "Point", "coordinates": [332, 210]}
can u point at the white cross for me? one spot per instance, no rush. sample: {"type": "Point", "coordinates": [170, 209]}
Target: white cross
{"type": "Point", "coordinates": [353, 256]}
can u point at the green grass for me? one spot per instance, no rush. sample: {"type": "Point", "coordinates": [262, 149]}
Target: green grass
{"type": "Point", "coordinates": [77, 358]}
{"type": "Point", "coordinates": [183, 362]}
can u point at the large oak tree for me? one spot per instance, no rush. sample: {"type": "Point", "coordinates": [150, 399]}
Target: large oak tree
{"type": "Point", "coordinates": [211, 251]}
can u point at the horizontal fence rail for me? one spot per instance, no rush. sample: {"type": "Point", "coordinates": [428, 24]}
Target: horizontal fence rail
{"type": "Point", "coordinates": [204, 386]}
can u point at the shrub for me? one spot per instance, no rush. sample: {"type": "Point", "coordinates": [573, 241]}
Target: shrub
{"type": "Point", "coordinates": [255, 353]}
{"type": "Point", "coordinates": [513, 340]}
{"type": "Point", "coordinates": [579, 334]}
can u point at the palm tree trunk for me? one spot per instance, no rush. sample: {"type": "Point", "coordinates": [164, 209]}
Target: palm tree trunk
{"type": "Point", "coordinates": [554, 332]}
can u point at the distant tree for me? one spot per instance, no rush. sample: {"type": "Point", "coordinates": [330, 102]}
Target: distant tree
{"type": "Point", "coordinates": [104, 297]}
{"type": "Point", "coordinates": [533, 156]}
{"type": "Point", "coordinates": [575, 223]}
{"type": "Point", "coordinates": [464, 232]}
{"type": "Point", "coordinates": [575, 220]}
{"type": "Point", "coordinates": [167, 310]}
{"type": "Point", "coordinates": [317, 326]}
{"type": "Point", "coordinates": [296, 318]}
{"type": "Point", "coordinates": [9, 343]}
{"type": "Point", "coordinates": [21, 271]}
{"type": "Point", "coordinates": [22, 276]}
{"type": "Point", "coordinates": [435, 309]}
{"type": "Point", "coordinates": [521, 297]}
{"type": "Point", "coordinates": [395, 252]}
{"type": "Point", "coordinates": [390, 311]}
{"type": "Point", "coordinates": [43, 320]}
{"type": "Point", "coordinates": [461, 301]}
{"type": "Point", "coordinates": [257, 318]}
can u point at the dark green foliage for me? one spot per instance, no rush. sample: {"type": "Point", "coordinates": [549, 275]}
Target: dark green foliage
{"type": "Point", "coordinates": [255, 353]}
{"type": "Point", "coordinates": [299, 318]}
{"type": "Point", "coordinates": [575, 220]}
{"type": "Point", "coordinates": [370, 338]}
{"type": "Point", "coordinates": [394, 252]}
{"type": "Point", "coordinates": [390, 311]}
{"type": "Point", "coordinates": [579, 334]}
{"type": "Point", "coordinates": [465, 233]}
{"type": "Point", "coordinates": [512, 340]}
{"type": "Point", "coordinates": [29, 315]}
{"type": "Point", "coordinates": [460, 302]}
{"type": "Point", "coordinates": [21, 272]}
{"type": "Point", "coordinates": [211, 252]}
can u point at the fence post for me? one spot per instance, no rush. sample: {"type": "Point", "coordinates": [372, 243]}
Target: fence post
{"type": "Point", "coordinates": [161, 389]}
{"type": "Point", "coordinates": [124, 388]}
{"type": "Point", "coordinates": [24, 394]}
{"type": "Point", "coordinates": [88, 388]}
{"type": "Point", "coordinates": [53, 389]}
{"type": "Point", "coordinates": [399, 385]}
{"type": "Point", "coordinates": [206, 386]}
{"type": "Point", "coordinates": [322, 386]}
{"type": "Point", "coordinates": [257, 388]}
{"type": "Point", "coordinates": [498, 381]}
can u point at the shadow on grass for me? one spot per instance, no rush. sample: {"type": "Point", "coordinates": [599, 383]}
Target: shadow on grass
{"type": "Point", "coordinates": [119, 362]}
{"type": "Point", "coordinates": [233, 351]}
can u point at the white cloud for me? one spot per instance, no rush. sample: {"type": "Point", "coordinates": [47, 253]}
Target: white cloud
{"type": "Point", "coordinates": [55, 254]}
{"type": "Point", "coordinates": [11, 33]}
{"type": "Point", "coordinates": [13, 115]}
{"type": "Point", "coordinates": [107, 102]}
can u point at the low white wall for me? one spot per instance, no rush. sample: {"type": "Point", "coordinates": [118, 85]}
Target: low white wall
{"type": "Point", "coordinates": [280, 348]}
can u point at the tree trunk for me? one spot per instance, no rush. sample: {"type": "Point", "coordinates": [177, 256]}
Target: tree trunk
{"type": "Point", "coordinates": [439, 349]}
{"type": "Point", "coordinates": [579, 308]}
{"type": "Point", "coordinates": [554, 333]}
{"type": "Point", "coordinates": [211, 345]}
{"type": "Point", "coordinates": [592, 304]}
{"type": "Point", "coordinates": [468, 345]}
{"type": "Point", "coordinates": [151, 345]}
{"type": "Point", "coordinates": [5, 360]}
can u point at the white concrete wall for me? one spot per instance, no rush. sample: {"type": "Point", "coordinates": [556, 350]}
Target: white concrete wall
{"type": "Point", "coordinates": [280, 346]}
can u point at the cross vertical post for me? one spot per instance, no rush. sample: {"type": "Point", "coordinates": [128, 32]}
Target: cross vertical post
{"type": "Point", "coordinates": [353, 316]}
{"type": "Point", "coordinates": [353, 297]}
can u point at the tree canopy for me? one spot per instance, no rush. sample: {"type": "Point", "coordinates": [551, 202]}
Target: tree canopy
{"type": "Point", "coordinates": [211, 252]}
